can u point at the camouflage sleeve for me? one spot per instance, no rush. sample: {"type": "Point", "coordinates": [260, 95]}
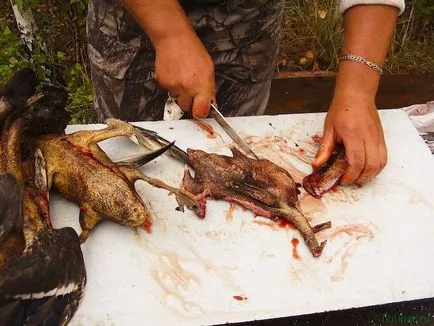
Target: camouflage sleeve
{"type": "Point", "coordinates": [241, 36]}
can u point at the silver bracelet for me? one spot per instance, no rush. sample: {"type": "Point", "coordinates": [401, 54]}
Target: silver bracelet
{"type": "Point", "coordinates": [353, 57]}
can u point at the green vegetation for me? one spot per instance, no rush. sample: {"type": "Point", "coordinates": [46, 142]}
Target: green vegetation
{"type": "Point", "coordinates": [312, 39]}
{"type": "Point", "coordinates": [62, 28]}
{"type": "Point", "coordinates": [313, 35]}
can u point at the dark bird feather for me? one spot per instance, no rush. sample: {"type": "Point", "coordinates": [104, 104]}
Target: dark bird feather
{"type": "Point", "coordinates": [42, 283]}
{"type": "Point", "coordinates": [20, 87]}
{"type": "Point", "coordinates": [43, 286]}
{"type": "Point", "coordinates": [49, 115]}
{"type": "Point", "coordinates": [11, 213]}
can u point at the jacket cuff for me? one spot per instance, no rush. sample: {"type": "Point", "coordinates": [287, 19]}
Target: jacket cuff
{"type": "Point", "coordinates": [347, 4]}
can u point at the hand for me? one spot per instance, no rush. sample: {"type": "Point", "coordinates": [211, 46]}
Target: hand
{"type": "Point", "coordinates": [354, 121]}
{"type": "Point", "coordinates": [186, 70]}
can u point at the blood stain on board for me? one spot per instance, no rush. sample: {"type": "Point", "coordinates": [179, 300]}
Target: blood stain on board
{"type": "Point", "coordinates": [147, 226]}
{"type": "Point", "coordinates": [295, 253]}
{"type": "Point", "coordinates": [317, 139]}
{"type": "Point", "coordinates": [356, 234]}
{"type": "Point", "coordinates": [230, 213]}
{"type": "Point", "coordinates": [276, 224]}
{"type": "Point", "coordinates": [284, 224]}
{"type": "Point", "coordinates": [206, 127]}
{"type": "Point", "coordinates": [268, 223]}
{"type": "Point", "coordinates": [239, 298]}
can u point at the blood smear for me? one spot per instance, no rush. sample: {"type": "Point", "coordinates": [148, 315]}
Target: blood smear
{"type": "Point", "coordinates": [295, 253]}
{"type": "Point", "coordinates": [206, 127]}
{"type": "Point", "coordinates": [147, 226]}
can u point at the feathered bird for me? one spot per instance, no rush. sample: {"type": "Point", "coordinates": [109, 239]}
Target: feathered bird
{"type": "Point", "coordinates": [42, 277]}
{"type": "Point", "coordinates": [48, 115]}
{"type": "Point", "coordinates": [17, 91]}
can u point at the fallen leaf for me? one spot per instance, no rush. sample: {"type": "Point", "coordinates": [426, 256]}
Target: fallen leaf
{"type": "Point", "coordinates": [322, 13]}
{"type": "Point", "coordinates": [303, 60]}
{"type": "Point", "coordinates": [309, 55]}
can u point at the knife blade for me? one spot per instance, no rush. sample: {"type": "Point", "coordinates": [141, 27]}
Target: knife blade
{"type": "Point", "coordinates": [220, 119]}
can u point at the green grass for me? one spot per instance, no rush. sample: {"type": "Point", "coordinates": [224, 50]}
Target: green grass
{"type": "Point", "coordinates": [313, 36]}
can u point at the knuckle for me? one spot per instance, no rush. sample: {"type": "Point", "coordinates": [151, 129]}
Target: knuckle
{"type": "Point", "coordinates": [346, 129]}
{"type": "Point", "coordinates": [355, 161]}
{"type": "Point", "coordinates": [372, 167]}
{"type": "Point", "coordinates": [184, 103]}
{"type": "Point", "coordinates": [170, 84]}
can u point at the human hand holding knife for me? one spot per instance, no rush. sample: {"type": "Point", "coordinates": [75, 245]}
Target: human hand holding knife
{"type": "Point", "coordinates": [173, 112]}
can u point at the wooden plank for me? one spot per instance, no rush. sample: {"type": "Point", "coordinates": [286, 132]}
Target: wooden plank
{"type": "Point", "coordinates": [314, 94]}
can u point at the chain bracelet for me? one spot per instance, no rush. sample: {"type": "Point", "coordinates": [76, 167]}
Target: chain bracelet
{"type": "Point", "coordinates": [353, 57]}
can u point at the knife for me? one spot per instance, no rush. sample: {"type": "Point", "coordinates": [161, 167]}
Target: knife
{"type": "Point", "coordinates": [220, 119]}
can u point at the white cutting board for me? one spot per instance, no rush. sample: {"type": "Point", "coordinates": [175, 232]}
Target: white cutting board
{"type": "Point", "coordinates": [187, 271]}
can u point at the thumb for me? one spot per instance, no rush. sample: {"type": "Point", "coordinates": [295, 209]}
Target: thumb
{"type": "Point", "coordinates": [326, 149]}
{"type": "Point", "coordinates": [201, 106]}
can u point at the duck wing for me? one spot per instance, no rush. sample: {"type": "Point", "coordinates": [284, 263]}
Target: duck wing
{"type": "Point", "coordinates": [11, 212]}
{"type": "Point", "coordinates": [151, 140]}
{"type": "Point", "coordinates": [45, 285]}
{"type": "Point", "coordinates": [141, 159]}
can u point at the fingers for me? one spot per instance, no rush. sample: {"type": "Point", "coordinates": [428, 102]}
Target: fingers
{"type": "Point", "coordinates": [376, 160]}
{"type": "Point", "coordinates": [201, 106]}
{"type": "Point", "coordinates": [185, 102]}
{"type": "Point", "coordinates": [383, 156]}
{"type": "Point", "coordinates": [372, 163]}
{"type": "Point", "coordinates": [355, 153]}
{"type": "Point", "coordinates": [382, 151]}
{"type": "Point", "coordinates": [326, 149]}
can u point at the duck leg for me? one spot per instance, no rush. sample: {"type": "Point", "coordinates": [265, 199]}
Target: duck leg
{"type": "Point", "coordinates": [294, 216]}
{"type": "Point", "coordinates": [89, 219]}
{"type": "Point", "coordinates": [183, 198]}
{"type": "Point", "coordinates": [115, 128]}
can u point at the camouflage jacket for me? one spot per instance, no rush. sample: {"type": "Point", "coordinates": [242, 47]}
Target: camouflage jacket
{"type": "Point", "coordinates": [250, 27]}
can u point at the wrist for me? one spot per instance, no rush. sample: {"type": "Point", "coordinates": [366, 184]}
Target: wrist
{"type": "Point", "coordinates": [173, 39]}
{"type": "Point", "coordinates": [356, 79]}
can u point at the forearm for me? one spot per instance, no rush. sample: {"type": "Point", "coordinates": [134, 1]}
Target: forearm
{"type": "Point", "coordinates": [368, 30]}
{"type": "Point", "coordinates": [161, 20]}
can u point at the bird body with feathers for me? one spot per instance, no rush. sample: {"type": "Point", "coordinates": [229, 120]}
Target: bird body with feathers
{"type": "Point", "coordinates": [42, 272]}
